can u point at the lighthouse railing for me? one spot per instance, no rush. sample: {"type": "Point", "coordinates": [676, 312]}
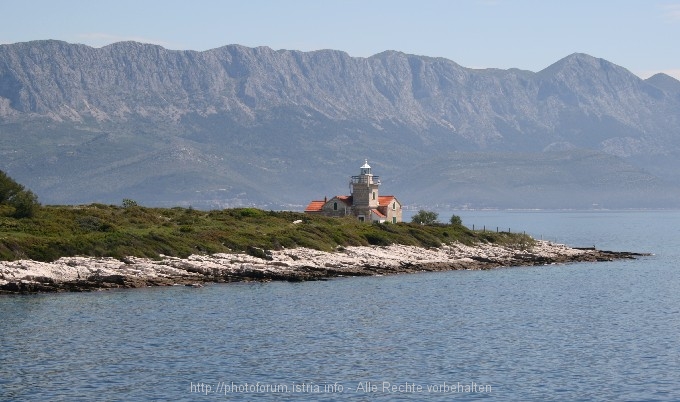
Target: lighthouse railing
{"type": "Point", "coordinates": [365, 179]}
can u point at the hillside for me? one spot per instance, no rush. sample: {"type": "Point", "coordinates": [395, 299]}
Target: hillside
{"type": "Point", "coordinates": [236, 125]}
{"type": "Point", "coordinates": [108, 231]}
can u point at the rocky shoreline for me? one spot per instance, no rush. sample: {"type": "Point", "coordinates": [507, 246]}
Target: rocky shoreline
{"type": "Point", "coordinates": [300, 264]}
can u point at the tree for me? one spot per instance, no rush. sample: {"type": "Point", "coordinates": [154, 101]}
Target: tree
{"type": "Point", "coordinates": [128, 203]}
{"type": "Point", "coordinates": [8, 188]}
{"type": "Point", "coordinates": [425, 217]}
{"type": "Point", "coordinates": [25, 203]}
{"type": "Point", "coordinates": [456, 220]}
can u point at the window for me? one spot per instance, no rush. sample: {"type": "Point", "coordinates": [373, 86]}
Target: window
{"type": "Point", "coordinates": [394, 219]}
{"type": "Point", "coordinates": [335, 206]}
{"type": "Point", "coordinates": [394, 206]}
{"type": "Point", "coordinates": [374, 195]}
{"type": "Point", "coordinates": [361, 219]}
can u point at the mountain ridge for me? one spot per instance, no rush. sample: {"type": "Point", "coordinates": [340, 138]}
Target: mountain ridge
{"type": "Point", "coordinates": [282, 125]}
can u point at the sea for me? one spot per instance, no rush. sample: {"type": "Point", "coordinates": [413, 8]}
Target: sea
{"type": "Point", "coordinates": [606, 331]}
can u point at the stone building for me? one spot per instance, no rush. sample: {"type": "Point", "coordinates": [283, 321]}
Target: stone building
{"type": "Point", "coordinates": [365, 203]}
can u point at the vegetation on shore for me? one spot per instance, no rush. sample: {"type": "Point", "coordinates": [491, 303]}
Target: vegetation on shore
{"type": "Point", "coordinates": [15, 200]}
{"type": "Point", "coordinates": [46, 233]}
{"type": "Point", "coordinates": [114, 231]}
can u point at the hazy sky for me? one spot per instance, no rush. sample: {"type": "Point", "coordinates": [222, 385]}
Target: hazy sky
{"type": "Point", "coordinates": [640, 35]}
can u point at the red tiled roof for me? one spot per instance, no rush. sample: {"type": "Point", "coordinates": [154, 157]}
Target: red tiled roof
{"type": "Point", "coordinates": [380, 214]}
{"type": "Point", "coordinates": [385, 200]}
{"type": "Point", "coordinates": [314, 206]}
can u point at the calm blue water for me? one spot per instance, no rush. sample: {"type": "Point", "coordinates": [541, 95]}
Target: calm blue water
{"type": "Point", "coordinates": [601, 331]}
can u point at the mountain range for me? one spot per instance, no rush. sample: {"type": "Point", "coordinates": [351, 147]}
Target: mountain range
{"type": "Point", "coordinates": [276, 128]}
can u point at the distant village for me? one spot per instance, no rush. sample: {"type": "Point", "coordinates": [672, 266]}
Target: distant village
{"type": "Point", "coordinates": [365, 203]}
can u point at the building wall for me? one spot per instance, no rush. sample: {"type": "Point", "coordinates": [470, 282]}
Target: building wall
{"type": "Point", "coordinates": [359, 211]}
{"type": "Point", "coordinates": [365, 194]}
{"type": "Point", "coordinates": [342, 209]}
{"type": "Point", "coordinates": [392, 213]}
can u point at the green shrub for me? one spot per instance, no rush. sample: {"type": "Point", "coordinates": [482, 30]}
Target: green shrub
{"type": "Point", "coordinates": [24, 202]}
{"type": "Point", "coordinates": [425, 217]}
{"type": "Point", "coordinates": [377, 239]}
{"type": "Point", "coordinates": [127, 203]}
{"type": "Point", "coordinates": [250, 212]}
{"type": "Point", "coordinates": [93, 224]}
{"type": "Point", "coordinates": [8, 188]}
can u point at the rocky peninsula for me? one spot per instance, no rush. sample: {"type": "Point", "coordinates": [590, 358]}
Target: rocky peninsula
{"type": "Point", "coordinates": [296, 264]}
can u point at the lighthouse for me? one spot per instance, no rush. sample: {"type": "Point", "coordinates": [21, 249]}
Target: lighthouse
{"type": "Point", "coordinates": [364, 189]}
{"type": "Point", "coordinates": [364, 202]}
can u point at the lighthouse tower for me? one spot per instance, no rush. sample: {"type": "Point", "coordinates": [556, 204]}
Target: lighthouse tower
{"type": "Point", "coordinates": [364, 190]}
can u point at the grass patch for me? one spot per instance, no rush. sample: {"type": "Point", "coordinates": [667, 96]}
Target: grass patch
{"type": "Point", "coordinates": [112, 231]}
